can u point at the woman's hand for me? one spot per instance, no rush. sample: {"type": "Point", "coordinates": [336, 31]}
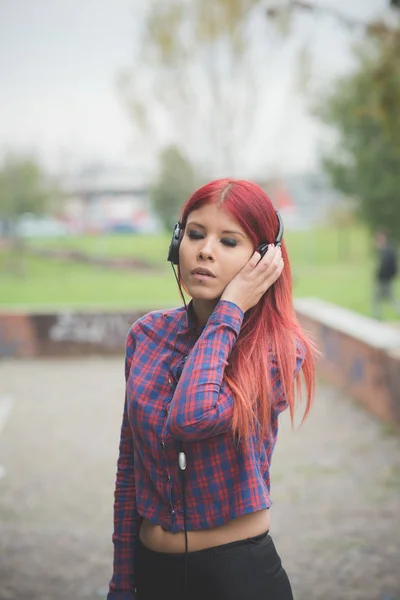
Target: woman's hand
{"type": "Point", "coordinates": [248, 286]}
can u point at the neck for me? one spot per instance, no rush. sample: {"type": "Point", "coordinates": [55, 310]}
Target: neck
{"type": "Point", "coordinates": [203, 310]}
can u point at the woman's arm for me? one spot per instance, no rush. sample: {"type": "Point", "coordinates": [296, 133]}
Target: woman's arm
{"type": "Point", "coordinates": [126, 518]}
{"type": "Point", "coordinates": [202, 405]}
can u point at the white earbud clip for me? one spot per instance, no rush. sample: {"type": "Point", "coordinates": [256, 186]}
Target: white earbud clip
{"type": "Point", "coordinates": [182, 461]}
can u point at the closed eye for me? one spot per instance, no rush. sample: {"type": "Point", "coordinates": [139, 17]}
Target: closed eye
{"type": "Point", "coordinates": [198, 235]}
{"type": "Point", "coordinates": [195, 235]}
{"type": "Point", "coordinates": [229, 242]}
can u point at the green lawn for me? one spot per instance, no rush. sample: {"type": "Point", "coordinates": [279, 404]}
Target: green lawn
{"type": "Point", "coordinates": [335, 267]}
{"type": "Point", "coordinates": [150, 247]}
{"type": "Point", "coordinates": [320, 246]}
{"type": "Point", "coordinates": [55, 283]}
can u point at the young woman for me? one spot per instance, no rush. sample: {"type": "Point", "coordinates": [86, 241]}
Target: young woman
{"type": "Point", "coordinates": [205, 385]}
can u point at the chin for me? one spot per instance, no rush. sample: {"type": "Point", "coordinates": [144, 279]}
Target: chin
{"type": "Point", "coordinates": [198, 293]}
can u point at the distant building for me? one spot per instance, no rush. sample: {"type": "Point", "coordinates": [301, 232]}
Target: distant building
{"type": "Point", "coordinates": [106, 199]}
{"type": "Point", "coordinates": [304, 200]}
{"type": "Point", "coordinates": [109, 199]}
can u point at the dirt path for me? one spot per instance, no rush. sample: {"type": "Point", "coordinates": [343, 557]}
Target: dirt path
{"type": "Point", "coordinates": [335, 486]}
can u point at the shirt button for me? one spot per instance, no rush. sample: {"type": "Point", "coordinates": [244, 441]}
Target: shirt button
{"type": "Point", "coordinates": [172, 513]}
{"type": "Point", "coordinates": [167, 477]}
{"type": "Point", "coordinates": [169, 381]}
{"type": "Point", "coordinates": [162, 444]}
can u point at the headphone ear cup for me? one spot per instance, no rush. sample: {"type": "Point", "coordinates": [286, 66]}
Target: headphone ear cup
{"type": "Point", "coordinates": [173, 252]}
{"type": "Point", "coordinates": [262, 249]}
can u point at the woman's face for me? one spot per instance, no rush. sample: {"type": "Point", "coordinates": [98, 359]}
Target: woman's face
{"type": "Point", "coordinates": [214, 248]}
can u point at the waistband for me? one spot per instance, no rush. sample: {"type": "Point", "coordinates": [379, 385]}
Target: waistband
{"type": "Point", "coordinates": [255, 540]}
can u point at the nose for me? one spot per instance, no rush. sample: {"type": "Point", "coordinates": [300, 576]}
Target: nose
{"type": "Point", "coordinates": [206, 251]}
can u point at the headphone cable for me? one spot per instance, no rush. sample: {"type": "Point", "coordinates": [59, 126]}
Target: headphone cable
{"type": "Point", "coordinates": [182, 465]}
{"type": "Point", "coordinates": [182, 457]}
{"type": "Point", "coordinates": [179, 286]}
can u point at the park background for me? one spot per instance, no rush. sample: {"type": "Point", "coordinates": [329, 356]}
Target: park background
{"type": "Point", "coordinates": [113, 114]}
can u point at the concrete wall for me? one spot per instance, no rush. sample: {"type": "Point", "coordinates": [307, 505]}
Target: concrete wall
{"type": "Point", "coordinates": [359, 355]}
{"type": "Point", "coordinates": [64, 334]}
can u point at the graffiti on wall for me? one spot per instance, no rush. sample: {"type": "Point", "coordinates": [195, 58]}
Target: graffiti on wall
{"type": "Point", "coordinates": [336, 350]}
{"type": "Point", "coordinates": [357, 371]}
{"type": "Point", "coordinates": [107, 330]}
{"type": "Point", "coordinates": [330, 343]}
{"type": "Point", "coordinates": [65, 333]}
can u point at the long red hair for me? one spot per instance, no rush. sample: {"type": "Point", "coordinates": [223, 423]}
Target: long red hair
{"type": "Point", "coordinates": [270, 335]}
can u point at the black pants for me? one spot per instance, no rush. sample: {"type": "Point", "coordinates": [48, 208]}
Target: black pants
{"type": "Point", "coordinates": [246, 570]}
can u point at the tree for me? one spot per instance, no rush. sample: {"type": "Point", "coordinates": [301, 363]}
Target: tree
{"type": "Point", "coordinates": [24, 187]}
{"type": "Point", "coordinates": [175, 183]}
{"type": "Point", "coordinates": [200, 73]}
{"type": "Point", "coordinates": [199, 79]}
{"type": "Point", "coordinates": [214, 35]}
{"type": "Point", "coordinates": [363, 110]}
{"type": "Point", "coordinates": [286, 9]}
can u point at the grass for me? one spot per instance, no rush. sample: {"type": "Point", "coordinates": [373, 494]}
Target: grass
{"type": "Point", "coordinates": [320, 246]}
{"type": "Point", "coordinates": [334, 266]}
{"type": "Point", "coordinates": [150, 247]}
{"type": "Point", "coordinates": [55, 283]}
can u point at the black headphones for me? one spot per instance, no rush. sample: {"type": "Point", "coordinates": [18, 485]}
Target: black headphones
{"type": "Point", "coordinates": [173, 252]}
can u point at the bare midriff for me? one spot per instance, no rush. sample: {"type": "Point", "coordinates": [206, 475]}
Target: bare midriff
{"type": "Point", "coordinates": [158, 539]}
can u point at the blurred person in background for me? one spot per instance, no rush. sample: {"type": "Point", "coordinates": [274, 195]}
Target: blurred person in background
{"type": "Point", "coordinates": [205, 384]}
{"type": "Point", "coordinates": [385, 274]}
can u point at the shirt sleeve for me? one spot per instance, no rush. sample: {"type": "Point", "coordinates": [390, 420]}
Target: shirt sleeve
{"type": "Point", "coordinates": [126, 517]}
{"type": "Point", "coordinates": [202, 405]}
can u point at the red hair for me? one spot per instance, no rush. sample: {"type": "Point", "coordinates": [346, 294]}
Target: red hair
{"type": "Point", "coordinates": [270, 335]}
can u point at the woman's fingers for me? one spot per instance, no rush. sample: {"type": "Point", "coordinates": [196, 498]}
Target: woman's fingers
{"type": "Point", "coordinates": [267, 268]}
{"type": "Point", "coordinates": [271, 267]}
{"type": "Point", "coordinates": [254, 260]}
{"type": "Point", "coordinates": [271, 260]}
{"type": "Point", "coordinates": [247, 287]}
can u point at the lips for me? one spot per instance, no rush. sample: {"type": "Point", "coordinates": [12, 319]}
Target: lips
{"type": "Point", "coordinates": [202, 271]}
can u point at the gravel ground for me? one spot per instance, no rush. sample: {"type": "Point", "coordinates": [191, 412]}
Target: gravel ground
{"type": "Point", "coordinates": [335, 486]}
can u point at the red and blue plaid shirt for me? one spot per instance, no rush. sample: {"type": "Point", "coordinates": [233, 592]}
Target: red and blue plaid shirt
{"type": "Point", "coordinates": [176, 392]}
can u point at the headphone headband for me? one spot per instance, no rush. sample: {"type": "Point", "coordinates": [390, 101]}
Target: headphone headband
{"type": "Point", "coordinates": [281, 229]}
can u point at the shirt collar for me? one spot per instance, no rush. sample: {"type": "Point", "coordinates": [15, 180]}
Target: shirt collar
{"type": "Point", "coordinates": [189, 322]}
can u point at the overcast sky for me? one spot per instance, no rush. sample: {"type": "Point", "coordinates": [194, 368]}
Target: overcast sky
{"type": "Point", "coordinates": [59, 63]}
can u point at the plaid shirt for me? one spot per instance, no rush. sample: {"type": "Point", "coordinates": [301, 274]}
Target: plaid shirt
{"type": "Point", "coordinates": [176, 391]}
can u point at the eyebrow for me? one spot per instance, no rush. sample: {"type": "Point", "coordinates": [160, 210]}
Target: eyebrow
{"type": "Point", "coordinates": [225, 230]}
